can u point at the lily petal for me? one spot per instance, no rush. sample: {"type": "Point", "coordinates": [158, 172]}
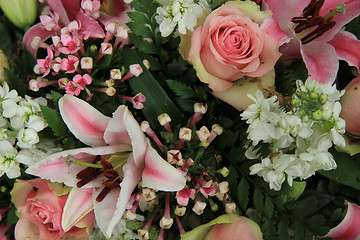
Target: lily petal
{"type": "Point", "coordinates": [78, 204]}
{"type": "Point", "coordinates": [159, 174]}
{"type": "Point", "coordinates": [83, 120]}
{"type": "Point", "coordinates": [349, 226]}
{"type": "Point", "coordinates": [60, 9]}
{"type": "Point", "coordinates": [55, 169]}
{"type": "Point", "coordinates": [38, 30]}
{"type": "Point", "coordinates": [105, 210]}
{"type": "Point", "coordinates": [109, 218]}
{"type": "Point", "coordinates": [321, 61]}
{"type": "Point", "coordinates": [116, 132]}
{"type": "Point", "coordinates": [352, 11]}
{"type": "Point", "coordinates": [344, 44]}
{"type": "Point", "coordinates": [90, 26]}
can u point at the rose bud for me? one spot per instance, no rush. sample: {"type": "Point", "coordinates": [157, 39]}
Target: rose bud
{"type": "Point", "coordinates": [350, 107]}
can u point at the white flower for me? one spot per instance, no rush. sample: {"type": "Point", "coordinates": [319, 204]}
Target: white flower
{"type": "Point", "coordinates": [262, 117]}
{"type": "Point", "coordinates": [8, 100]}
{"type": "Point", "coordinates": [181, 13]}
{"type": "Point", "coordinates": [8, 164]}
{"type": "Point", "coordinates": [27, 137]}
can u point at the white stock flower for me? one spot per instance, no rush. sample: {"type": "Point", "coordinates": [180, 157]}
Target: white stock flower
{"type": "Point", "coordinates": [181, 13]}
{"type": "Point", "coordinates": [262, 117]}
{"type": "Point", "coordinates": [8, 100]}
{"type": "Point", "coordinates": [8, 163]}
{"type": "Point", "coordinates": [27, 137]}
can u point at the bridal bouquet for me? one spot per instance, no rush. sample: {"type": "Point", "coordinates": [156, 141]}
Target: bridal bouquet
{"type": "Point", "coordinates": [180, 119]}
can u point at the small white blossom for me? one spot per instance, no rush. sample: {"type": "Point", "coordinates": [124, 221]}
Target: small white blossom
{"type": "Point", "coordinates": [180, 13]}
{"type": "Point", "coordinates": [27, 137]}
{"type": "Point", "coordinates": [8, 163]}
{"type": "Point", "coordinates": [8, 100]}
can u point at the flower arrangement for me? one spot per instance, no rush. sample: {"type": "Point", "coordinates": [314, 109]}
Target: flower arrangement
{"type": "Point", "coordinates": [179, 119]}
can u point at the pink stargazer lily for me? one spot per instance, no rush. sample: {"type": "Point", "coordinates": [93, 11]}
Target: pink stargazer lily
{"type": "Point", "coordinates": [324, 42]}
{"type": "Point", "coordinates": [348, 229]}
{"type": "Point", "coordinates": [124, 152]}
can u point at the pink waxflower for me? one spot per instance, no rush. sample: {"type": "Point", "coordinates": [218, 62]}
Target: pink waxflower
{"type": "Point", "coordinates": [183, 196]}
{"type": "Point", "coordinates": [70, 10]}
{"type": "Point", "coordinates": [71, 43]}
{"type": "Point", "coordinates": [316, 37]}
{"type": "Point", "coordinates": [73, 88]}
{"type": "Point", "coordinates": [46, 64]}
{"type": "Point", "coordinates": [51, 22]}
{"type": "Point", "coordinates": [118, 157]}
{"type": "Point", "coordinates": [69, 64]}
{"type": "Point", "coordinates": [82, 80]}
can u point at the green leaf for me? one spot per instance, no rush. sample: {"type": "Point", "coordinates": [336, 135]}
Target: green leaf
{"type": "Point", "coordinates": [54, 120]}
{"type": "Point", "coordinates": [269, 207]}
{"type": "Point", "coordinates": [180, 89]}
{"type": "Point", "coordinates": [5, 40]}
{"type": "Point", "coordinates": [258, 199]}
{"type": "Point", "coordinates": [157, 101]}
{"type": "Point", "coordinates": [226, 139]}
{"type": "Point", "coordinates": [140, 30]}
{"type": "Point", "coordinates": [142, 45]}
{"type": "Point", "coordinates": [243, 193]}
{"type": "Point", "coordinates": [12, 217]}
{"type": "Point", "coordinates": [185, 104]}
{"type": "Point", "coordinates": [345, 165]}
{"type": "Point", "coordinates": [138, 17]}
{"type": "Point", "coordinates": [56, 96]}
{"type": "Point", "coordinates": [269, 229]}
{"type": "Point", "coordinates": [283, 229]}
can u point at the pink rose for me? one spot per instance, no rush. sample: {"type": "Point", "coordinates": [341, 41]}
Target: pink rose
{"type": "Point", "coordinates": [41, 205]}
{"type": "Point", "coordinates": [236, 40]}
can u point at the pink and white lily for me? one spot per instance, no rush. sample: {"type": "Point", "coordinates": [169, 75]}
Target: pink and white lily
{"type": "Point", "coordinates": [126, 157]}
{"type": "Point", "coordinates": [324, 43]}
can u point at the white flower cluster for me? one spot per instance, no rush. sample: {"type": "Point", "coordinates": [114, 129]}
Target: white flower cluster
{"type": "Point", "coordinates": [20, 121]}
{"type": "Point", "coordinates": [121, 232]}
{"type": "Point", "coordinates": [180, 13]}
{"type": "Point", "coordinates": [299, 139]}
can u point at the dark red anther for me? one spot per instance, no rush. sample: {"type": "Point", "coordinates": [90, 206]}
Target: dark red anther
{"type": "Point", "coordinates": [111, 185]}
{"type": "Point", "coordinates": [316, 21]}
{"type": "Point", "coordinates": [103, 194]}
{"type": "Point", "coordinates": [88, 178]}
{"type": "Point", "coordinates": [111, 174]}
{"type": "Point", "coordinates": [105, 164]}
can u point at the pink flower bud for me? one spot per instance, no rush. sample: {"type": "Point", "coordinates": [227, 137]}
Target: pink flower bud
{"type": "Point", "coordinates": [350, 107]}
{"type": "Point", "coordinates": [244, 228]}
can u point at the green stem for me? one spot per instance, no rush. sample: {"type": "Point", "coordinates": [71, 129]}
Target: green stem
{"type": "Point", "coordinates": [86, 164]}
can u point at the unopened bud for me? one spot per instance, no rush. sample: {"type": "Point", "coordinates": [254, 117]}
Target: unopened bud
{"type": "Point", "coordinates": [217, 129]}
{"type": "Point", "coordinates": [317, 115]}
{"type": "Point", "coordinates": [199, 207]}
{"type": "Point", "coordinates": [110, 91]}
{"type": "Point", "coordinates": [173, 156]}
{"type": "Point", "coordinates": [106, 48]}
{"type": "Point", "coordinates": [129, 215]}
{"type": "Point", "coordinates": [180, 210]}
{"type": "Point", "coordinates": [164, 119]}
{"type": "Point", "coordinates": [185, 133]}
{"type": "Point", "coordinates": [203, 133]}
{"type": "Point", "coordinates": [166, 223]}
{"type": "Point", "coordinates": [230, 207]}
{"type": "Point", "coordinates": [86, 63]}
{"type": "Point", "coordinates": [148, 194]}
{"type": "Point", "coordinates": [146, 63]}
{"type": "Point", "coordinates": [323, 98]}
{"type": "Point", "coordinates": [115, 74]}
{"type": "Point", "coordinates": [136, 69]}
{"type": "Point", "coordinates": [200, 108]}
{"type": "Point", "coordinates": [143, 234]}
{"type": "Point", "coordinates": [34, 85]}
{"type": "Point", "coordinates": [224, 171]}
{"type": "Point", "coordinates": [63, 82]}
{"type": "Point", "coordinates": [145, 125]}
{"type": "Point", "coordinates": [223, 187]}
